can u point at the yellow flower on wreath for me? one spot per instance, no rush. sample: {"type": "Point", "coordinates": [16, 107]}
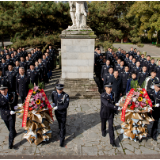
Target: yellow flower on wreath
{"type": "Point", "coordinates": [38, 101]}
{"type": "Point", "coordinates": [34, 92]}
{"type": "Point", "coordinates": [39, 90]}
{"type": "Point", "coordinates": [146, 102]}
{"type": "Point", "coordinates": [141, 92]}
{"type": "Point", "coordinates": [140, 99]}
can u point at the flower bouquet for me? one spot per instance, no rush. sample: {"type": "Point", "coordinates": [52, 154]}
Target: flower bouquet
{"type": "Point", "coordinates": [135, 107]}
{"type": "Point", "coordinates": [36, 113]}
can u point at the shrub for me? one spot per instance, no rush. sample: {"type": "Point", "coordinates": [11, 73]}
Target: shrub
{"type": "Point", "coordinates": [140, 45]}
{"type": "Point", "coordinates": [158, 45]}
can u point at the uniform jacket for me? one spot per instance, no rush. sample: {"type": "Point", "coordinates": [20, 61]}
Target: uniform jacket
{"type": "Point", "coordinates": [155, 99]}
{"type": "Point", "coordinates": [61, 102]}
{"type": "Point", "coordinates": [22, 85]}
{"type": "Point", "coordinates": [5, 108]}
{"type": "Point", "coordinates": [107, 106]}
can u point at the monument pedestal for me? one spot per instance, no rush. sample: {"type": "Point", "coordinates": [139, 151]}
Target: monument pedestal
{"type": "Point", "coordinates": [77, 59]}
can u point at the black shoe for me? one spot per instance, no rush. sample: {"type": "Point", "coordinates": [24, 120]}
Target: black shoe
{"type": "Point", "coordinates": [113, 144]}
{"type": "Point", "coordinates": [104, 134]}
{"type": "Point", "coordinates": [62, 144]}
{"type": "Point", "coordinates": [155, 139]}
{"type": "Point", "coordinates": [10, 147]}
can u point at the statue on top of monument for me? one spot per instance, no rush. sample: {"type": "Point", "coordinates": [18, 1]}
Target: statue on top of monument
{"type": "Point", "coordinates": [78, 12]}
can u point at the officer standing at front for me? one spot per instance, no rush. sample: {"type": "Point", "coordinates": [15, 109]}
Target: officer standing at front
{"type": "Point", "coordinates": [154, 95]}
{"type": "Point", "coordinates": [22, 82]}
{"type": "Point", "coordinates": [107, 112]}
{"type": "Point", "coordinates": [60, 102]}
{"type": "Point", "coordinates": [7, 113]}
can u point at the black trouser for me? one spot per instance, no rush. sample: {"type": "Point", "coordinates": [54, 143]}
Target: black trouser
{"type": "Point", "coordinates": [123, 91]}
{"type": "Point", "coordinates": [110, 126]}
{"type": "Point", "coordinates": [117, 99]}
{"type": "Point", "coordinates": [62, 127]}
{"type": "Point", "coordinates": [22, 99]}
{"type": "Point", "coordinates": [11, 127]}
{"type": "Point", "coordinates": [154, 131]}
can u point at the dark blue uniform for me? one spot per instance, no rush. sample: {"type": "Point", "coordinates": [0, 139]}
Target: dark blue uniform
{"type": "Point", "coordinates": [8, 119]}
{"type": "Point", "coordinates": [33, 75]}
{"type": "Point", "coordinates": [62, 102]}
{"type": "Point", "coordinates": [22, 86]}
{"type": "Point", "coordinates": [155, 113]}
{"type": "Point", "coordinates": [107, 114]}
{"type": "Point", "coordinates": [11, 79]}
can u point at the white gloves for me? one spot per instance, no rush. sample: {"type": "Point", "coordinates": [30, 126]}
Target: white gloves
{"type": "Point", "coordinates": [152, 87]}
{"type": "Point", "coordinates": [117, 104]}
{"type": "Point", "coordinates": [55, 108]}
{"type": "Point", "coordinates": [15, 107]}
{"type": "Point", "coordinates": [157, 105]}
{"type": "Point", "coordinates": [119, 108]}
{"type": "Point", "coordinates": [12, 112]}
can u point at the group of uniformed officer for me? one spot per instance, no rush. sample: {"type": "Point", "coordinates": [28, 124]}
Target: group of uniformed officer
{"type": "Point", "coordinates": [115, 71]}
{"type": "Point", "coordinates": [19, 68]}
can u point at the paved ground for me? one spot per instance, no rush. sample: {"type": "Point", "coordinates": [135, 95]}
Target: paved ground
{"type": "Point", "coordinates": [83, 136]}
{"type": "Point", "coordinates": [150, 49]}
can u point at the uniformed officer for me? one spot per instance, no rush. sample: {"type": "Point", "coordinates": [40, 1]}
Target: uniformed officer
{"type": "Point", "coordinates": [23, 63]}
{"type": "Point", "coordinates": [136, 68]}
{"type": "Point", "coordinates": [142, 60]}
{"type": "Point", "coordinates": [108, 76]}
{"type": "Point", "coordinates": [41, 68]}
{"type": "Point", "coordinates": [105, 69]}
{"type": "Point", "coordinates": [60, 102]}
{"type": "Point", "coordinates": [157, 69]}
{"type": "Point", "coordinates": [125, 77]}
{"type": "Point", "coordinates": [11, 79]}
{"type": "Point", "coordinates": [16, 68]}
{"type": "Point", "coordinates": [138, 57]}
{"type": "Point", "coordinates": [107, 112]}
{"type": "Point", "coordinates": [151, 66]}
{"type": "Point", "coordinates": [3, 66]}
{"type": "Point", "coordinates": [46, 68]}
{"type": "Point", "coordinates": [3, 80]}
{"type": "Point", "coordinates": [131, 52]}
{"type": "Point", "coordinates": [154, 95]}
{"type": "Point", "coordinates": [126, 60]}
{"type": "Point", "coordinates": [22, 82]}
{"type": "Point", "coordinates": [7, 113]}
{"type": "Point", "coordinates": [116, 81]}
{"type": "Point", "coordinates": [32, 74]}
{"type": "Point", "coordinates": [142, 75]}
{"type": "Point", "coordinates": [147, 62]}
{"type": "Point", "coordinates": [149, 81]}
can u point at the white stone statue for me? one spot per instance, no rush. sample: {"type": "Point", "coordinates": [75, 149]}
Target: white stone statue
{"type": "Point", "coordinates": [78, 12]}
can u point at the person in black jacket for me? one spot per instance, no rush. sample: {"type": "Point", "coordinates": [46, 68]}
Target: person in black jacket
{"type": "Point", "coordinates": [116, 81]}
{"type": "Point", "coordinates": [154, 95]}
{"type": "Point", "coordinates": [11, 78]}
{"type": "Point", "coordinates": [125, 77]}
{"type": "Point", "coordinates": [22, 82]}
{"type": "Point", "coordinates": [7, 113]}
{"type": "Point", "coordinates": [157, 69]}
{"type": "Point", "coordinates": [107, 112]}
{"type": "Point", "coordinates": [60, 102]}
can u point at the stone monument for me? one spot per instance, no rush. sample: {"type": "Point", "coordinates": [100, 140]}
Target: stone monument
{"type": "Point", "coordinates": [77, 54]}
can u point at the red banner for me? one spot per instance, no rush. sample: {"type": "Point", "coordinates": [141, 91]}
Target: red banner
{"type": "Point", "coordinates": [128, 98]}
{"type": "Point", "coordinates": [47, 102]}
{"type": "Point", "coordinates": [26, 108]}
{"type": "Point", "coordinates": [147, 97]}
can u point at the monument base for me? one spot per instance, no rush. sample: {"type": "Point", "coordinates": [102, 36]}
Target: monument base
{"type": "Point", "coordinates": [80, 88]}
